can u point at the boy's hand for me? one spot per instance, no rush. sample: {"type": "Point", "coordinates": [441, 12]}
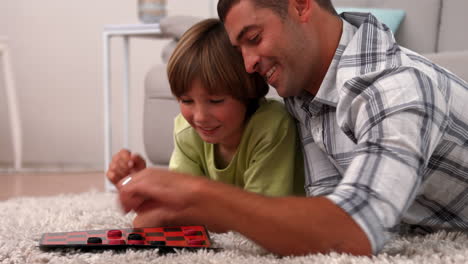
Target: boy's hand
{"type": "Point", "coordinates": [123, 164]}
{"type": "Point", "coordinates": [161, 197]}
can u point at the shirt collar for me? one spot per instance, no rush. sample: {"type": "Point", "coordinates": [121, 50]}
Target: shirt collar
{"type": "Point", "coordinates": [328, 91]}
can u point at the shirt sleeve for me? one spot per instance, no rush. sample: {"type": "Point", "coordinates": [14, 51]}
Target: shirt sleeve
{"type": "Point", "coordinates": [397, 122]}
{"type": "Point", "coordinates": [274, 159]}
{"type": "Point", "coordinates": [184, 158]}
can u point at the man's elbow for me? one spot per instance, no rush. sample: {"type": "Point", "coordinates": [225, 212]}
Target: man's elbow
{"type": "Point", "coordinates": [351, 247]}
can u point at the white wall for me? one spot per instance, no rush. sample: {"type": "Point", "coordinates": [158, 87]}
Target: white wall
{"type": "Point", "coordinates": [56, 51]}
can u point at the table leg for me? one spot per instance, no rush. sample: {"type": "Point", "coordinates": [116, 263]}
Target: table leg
{"type": "Point", "coordinates": [15, 121]}
{"type": "Point", "coordinates": [107, 107]}
{"type": "Point", "coordinates": [126, 93]}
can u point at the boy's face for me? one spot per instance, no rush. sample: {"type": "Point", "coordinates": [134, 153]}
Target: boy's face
{"type": "Point", "coordinates": [275, 48]}
{"type": "Point", "coordinates": [218, 119]}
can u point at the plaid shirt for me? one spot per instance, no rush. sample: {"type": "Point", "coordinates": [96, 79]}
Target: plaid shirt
{"type": "Point", "coordinates": [386, 136]}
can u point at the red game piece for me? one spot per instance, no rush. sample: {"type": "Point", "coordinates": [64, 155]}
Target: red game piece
{"type": "Point", "coordinates": [196, 241]}
{"type": "Point", "coordinates": [116, 242]}
{"type": "Point", "coordinates": [190, 232]}
{"type": "Point", "coordinates": [135, 242]}
{"type": "Point", "coordinates": [114, 234]}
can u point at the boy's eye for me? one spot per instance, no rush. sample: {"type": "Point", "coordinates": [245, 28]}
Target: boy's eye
{"type": "Point", "coordinates": [216, 101]}
{"type": "Point", "coordinates": [185, 101]}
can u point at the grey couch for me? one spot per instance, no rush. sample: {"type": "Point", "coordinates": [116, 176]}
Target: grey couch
{"type": "Point", "coordinates": [434, 28]}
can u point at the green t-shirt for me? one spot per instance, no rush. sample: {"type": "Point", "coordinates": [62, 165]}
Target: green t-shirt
{"type": "Point", "coordinates": [268, 160]}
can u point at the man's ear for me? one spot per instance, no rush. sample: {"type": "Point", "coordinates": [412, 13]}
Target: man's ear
{"type": "Point", "coordinates": [303, 8]}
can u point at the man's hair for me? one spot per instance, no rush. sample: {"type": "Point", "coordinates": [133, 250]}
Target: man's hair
{"type": "Point", "coordinates": [280, 7]}
{"type": "Point", "coordinates": [205, 53]}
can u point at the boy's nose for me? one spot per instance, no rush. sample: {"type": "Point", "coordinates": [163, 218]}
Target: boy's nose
{"type": "Point", "coordinates": [201, 114]}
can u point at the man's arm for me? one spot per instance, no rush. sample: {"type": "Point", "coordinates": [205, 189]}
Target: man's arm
{"type": "Point", "coordinates": [285, 226]}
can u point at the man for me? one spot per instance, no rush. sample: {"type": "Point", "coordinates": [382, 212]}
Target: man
{"type": "Point", "coordinates": [383, 131]}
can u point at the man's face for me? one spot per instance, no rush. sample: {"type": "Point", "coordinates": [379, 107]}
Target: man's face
{"type": "Point", "coordinates": [275, 48]}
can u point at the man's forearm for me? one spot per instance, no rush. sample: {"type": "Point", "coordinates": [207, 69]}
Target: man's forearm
{"type": "Point", "coordinates": [285, 226]}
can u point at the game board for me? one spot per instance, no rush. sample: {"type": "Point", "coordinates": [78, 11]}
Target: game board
{"type": "Point", "coordinates": [165, 238]}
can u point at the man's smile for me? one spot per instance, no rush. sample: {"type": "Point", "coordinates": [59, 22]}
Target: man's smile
{"type": "Point", "coordinates": [270, 74]}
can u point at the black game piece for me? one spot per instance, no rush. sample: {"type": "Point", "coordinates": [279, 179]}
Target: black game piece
{"type": "Point", "coordinates": [94, 240]}
{"type": "Point", "coordinates": [158, 243]}
{"type": "Point", "coordinates": [134, 236]}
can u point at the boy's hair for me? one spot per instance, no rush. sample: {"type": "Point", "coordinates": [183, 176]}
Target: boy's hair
{"type": "Point", "coordinates": [280, 7]}
{"type": "Point", "coordinates": [205, 53]}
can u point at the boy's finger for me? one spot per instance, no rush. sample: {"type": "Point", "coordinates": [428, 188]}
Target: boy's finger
{"type": "Point", "coordinates": [130, 201]}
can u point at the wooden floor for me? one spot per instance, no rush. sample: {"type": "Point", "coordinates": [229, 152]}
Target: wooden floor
{"type": "Point", "coordinates": [46, 184]}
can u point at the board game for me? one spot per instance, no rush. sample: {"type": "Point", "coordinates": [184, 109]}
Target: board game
{"type": "Point", "coordinates": [165, 238]}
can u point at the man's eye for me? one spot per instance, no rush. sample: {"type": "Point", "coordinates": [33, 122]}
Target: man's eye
{"type": "Point", "coordinates": [255, 38]}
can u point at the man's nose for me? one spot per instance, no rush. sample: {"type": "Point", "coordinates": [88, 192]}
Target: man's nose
{"type": "Point", "coordinates": [251, 60]}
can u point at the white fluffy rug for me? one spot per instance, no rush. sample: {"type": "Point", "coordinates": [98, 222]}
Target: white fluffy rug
{"type": "Point", "coordinates": [23, 220]}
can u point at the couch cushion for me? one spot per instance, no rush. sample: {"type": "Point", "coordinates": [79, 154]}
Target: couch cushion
{"type": "Point", "coordinates": [168, 50]}
{"type": "Point", "coordinates": [159, 110]}
{"type": "Point", "coordinates": [175, 26]}
{"type": "Point", "coordinates": [453, 33]}
{"type": "Point", "coordinates": [454, 61]}
{"type": "Point", "coordinates": [418, 30]}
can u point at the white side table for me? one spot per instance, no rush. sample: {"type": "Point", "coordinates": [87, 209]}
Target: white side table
{"type": "Point", "coordinates": [15, 121]}
{"type": "Point", "coordinates": [125, 31]}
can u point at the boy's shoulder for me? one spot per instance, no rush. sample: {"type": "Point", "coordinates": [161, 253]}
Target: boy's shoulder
{"type": "Point", "coordinates": [180, 124]}
{"type": "Point", "coordinates": [271, 117]}
{"type": "Point", "coordinates": [184, 132]}
{"type": "Point", "coordinates": [271, 110]}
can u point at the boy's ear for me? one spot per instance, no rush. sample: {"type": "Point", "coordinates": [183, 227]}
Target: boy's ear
{"type": "Point", "coordinates": [303, 8]}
